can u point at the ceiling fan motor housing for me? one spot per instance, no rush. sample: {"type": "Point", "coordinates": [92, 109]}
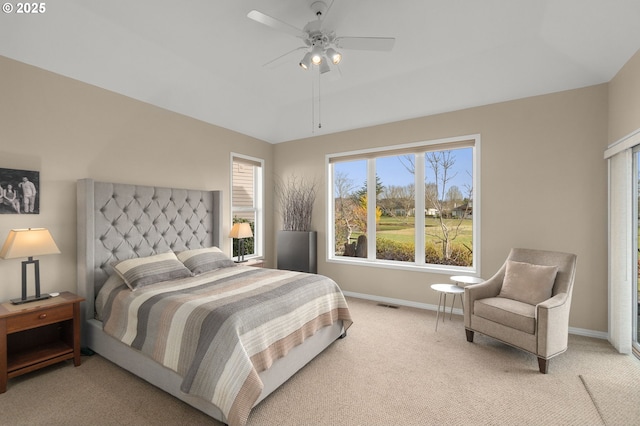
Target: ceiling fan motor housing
{"type": "Point", "coordinates": [319, 8]}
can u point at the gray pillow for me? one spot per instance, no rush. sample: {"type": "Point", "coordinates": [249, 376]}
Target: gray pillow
{"type": "Point", "coordinates": [528, 283]}
{"type": "Point", "coordinates": [204, 259]}
{"type": "Point", "coordinates": [144, 271]}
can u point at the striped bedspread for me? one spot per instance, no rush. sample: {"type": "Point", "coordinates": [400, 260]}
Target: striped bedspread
{"type": "Point", "coordinates": [220, 329]}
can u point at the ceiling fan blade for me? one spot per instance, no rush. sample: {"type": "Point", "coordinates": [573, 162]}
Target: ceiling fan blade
{"type": "Point", "coordinates": [366, 43]}
{"type": "Point", "coordinates": [274, 63]}
{"type": "Point", "coordinates": [276, 24]}
{"type": "Point", "coordinates": [326, 12]}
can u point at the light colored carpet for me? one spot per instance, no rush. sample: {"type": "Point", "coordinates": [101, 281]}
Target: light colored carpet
{"type": "Point", "coordinates": [393, 368]}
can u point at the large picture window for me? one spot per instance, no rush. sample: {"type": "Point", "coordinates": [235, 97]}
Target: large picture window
{"type": "Point", "coordinates": [247, 201]}
{"type": "Point", "coordinates": [413, 205]}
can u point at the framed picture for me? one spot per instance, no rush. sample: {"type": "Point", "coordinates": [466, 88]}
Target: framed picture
{"type": "Point", "coordinates": [19, 191]}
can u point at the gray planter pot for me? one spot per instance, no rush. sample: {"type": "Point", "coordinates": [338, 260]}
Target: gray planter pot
{"type": "Point", "coordinates": [297, 251]}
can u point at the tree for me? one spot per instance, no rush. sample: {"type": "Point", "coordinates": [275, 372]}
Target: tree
{"type": "Point", "coordinates": [441, 163]}
{"type": "Point", "coordinates": [430, 193]}
{"type": "Point", "coordinates": [351, 209]}
{"type": "Point", "coordinates": [406, 198]}
{"type": "Point", "coordinates": [454, 195]}
{"type": "Point", "coordinates": [360, 214]}
{"type": "Point", "coordinates": [438, 193]}
{"type": "Point", "coordinates": [395, 198]}
{"type": "Point", "coordinates": [363, 190]}
{"type": "Point", "coordinates": [344, 205]}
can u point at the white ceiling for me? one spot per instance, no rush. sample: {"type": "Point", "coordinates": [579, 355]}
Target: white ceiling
{"type": "Point", "coordinates": [204, 58]}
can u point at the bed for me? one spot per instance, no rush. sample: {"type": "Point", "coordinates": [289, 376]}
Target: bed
{"type": "Point", "coordinates": [122, 224]}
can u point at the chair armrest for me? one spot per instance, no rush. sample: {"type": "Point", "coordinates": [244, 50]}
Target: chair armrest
{"type": "Point", "coordinates": [488, 288]}
{"type": "Point", "coordinates": [553, 325]}
{"type": "Point", "coordinates": [556, 301]}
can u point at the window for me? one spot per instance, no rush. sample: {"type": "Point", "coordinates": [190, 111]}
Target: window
{"type": "Point", "coordinates": [422, 213]}
{"type": "Point", "coordinates": [622, 158]}
{"type": "Point", "coordinates": [635, 276]}
{"type": "Point", "coordinates": [247, 201]}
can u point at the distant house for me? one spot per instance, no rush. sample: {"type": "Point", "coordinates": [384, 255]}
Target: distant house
{"type": "Point", "coordinates": [461, 210]}
{"type": "Point", "coordinates": [431, 212]}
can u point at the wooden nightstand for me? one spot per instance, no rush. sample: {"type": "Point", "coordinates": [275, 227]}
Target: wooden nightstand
{"type": "Point", "coordinates": [38, 334]}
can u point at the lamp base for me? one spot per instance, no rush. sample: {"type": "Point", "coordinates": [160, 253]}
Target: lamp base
{"type": "Point", "coordinates": [240, 261]}
{"type": "Point", "coordinates": [30, 299]}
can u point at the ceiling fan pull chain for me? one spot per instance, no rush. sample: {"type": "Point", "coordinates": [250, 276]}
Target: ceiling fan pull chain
{"type": "Point", "coordinates": [313, 107]}
{"type": "Point", "coordinates": [319, 104]}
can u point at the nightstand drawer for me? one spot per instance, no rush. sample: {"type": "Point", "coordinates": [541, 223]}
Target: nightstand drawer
{"type": "Point", "coordinates": [39, 318]}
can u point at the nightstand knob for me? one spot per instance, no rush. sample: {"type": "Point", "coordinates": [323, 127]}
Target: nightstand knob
{"type": "Point", "coordinates": [42, 316]}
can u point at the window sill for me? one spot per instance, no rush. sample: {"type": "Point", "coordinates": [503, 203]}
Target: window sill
{"type": "Point", "coordinates": [434, 269]}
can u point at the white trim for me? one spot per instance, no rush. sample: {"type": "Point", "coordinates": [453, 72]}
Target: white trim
{"type": "Point", "coordinates": [372, 207]}
{"type": "Point", "coordinates": [477, 206]}
{"type": "Point", "coordinates": [407, 146]}
{"type": "Point", "coordinates": [471, 141]}
{"type": "Point", "coordinates": [407, 266]}
{"type": "Point", "coordinates": [429, 307]}
{"type": "Point", "coordinates": [620, 254]}
{"type": "Point", "coordinates": [635, 188]}
{"type": "Point", "coordinates": [393, 301]}
{"type": "Point", "coordinates": [331, 207]}
{"type": "Point", "coordinates": [258, 208]}
{"type": "Point", "coordinates": [627, 142]}
{"type": "Point", "coordinates": [419, 221]}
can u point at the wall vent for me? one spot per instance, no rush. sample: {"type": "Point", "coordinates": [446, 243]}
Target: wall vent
{"type": "Point", "coordinates": [384, 305]}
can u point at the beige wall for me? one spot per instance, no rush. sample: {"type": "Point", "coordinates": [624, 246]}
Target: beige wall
{"type": "Point", "coordinates": [543, 185]}
{"type": "Point", "coordinates": [624, 100]}
{"type": "Point", "coordinates": [543, 178]}
{"type": "Point", "coordinates": [69, 130]}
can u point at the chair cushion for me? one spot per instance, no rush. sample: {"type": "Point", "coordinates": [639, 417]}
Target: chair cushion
{"type": "Point", "coordinates": [507, 312]}
{"type": "Point", "coordinates": [528, 283]}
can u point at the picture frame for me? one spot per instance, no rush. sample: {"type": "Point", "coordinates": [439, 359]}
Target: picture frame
{"type": "Point", "coordinates": [19, 191]}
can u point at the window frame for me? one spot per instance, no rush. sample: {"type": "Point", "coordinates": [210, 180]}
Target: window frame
{"type": "Point", "coordinates": [635, 300]}
{"type": "Point", "coordinates": [473, 141]}
{"type": "Point", "coordinates": [258, 202]}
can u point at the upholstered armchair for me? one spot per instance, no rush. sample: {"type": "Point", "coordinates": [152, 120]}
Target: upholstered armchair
{"type": "Point", "coordinates": [525, 304]}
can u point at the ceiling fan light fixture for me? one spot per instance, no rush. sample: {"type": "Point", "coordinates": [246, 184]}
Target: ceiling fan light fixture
{"type": "Point", "coordinates": [316, 55]}
{"type": "Point", "coordinates": [334, 55]}
{"type": "Point", "coordinates": [305, 63]}
{"type": "Point", "coordinates": [324, 66]}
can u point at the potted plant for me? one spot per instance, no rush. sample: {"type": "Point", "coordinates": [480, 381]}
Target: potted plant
{"type": "Point", "coordinates": [296, 242]}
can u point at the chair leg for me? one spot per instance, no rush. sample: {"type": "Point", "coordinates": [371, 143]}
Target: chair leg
{"type": "Point", "coordinates": [469, 335]}
{"type": "Point", "coordinates": [543, 364]}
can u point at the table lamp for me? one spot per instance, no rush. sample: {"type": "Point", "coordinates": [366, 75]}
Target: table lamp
{"type": "Point", "coordinates": [28, 243]}
{"type": "Point", "coordinates": [241, 231]}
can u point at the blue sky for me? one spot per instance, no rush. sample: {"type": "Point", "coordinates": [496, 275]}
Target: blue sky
{"type": "Point", "coordinates": [392, 172]}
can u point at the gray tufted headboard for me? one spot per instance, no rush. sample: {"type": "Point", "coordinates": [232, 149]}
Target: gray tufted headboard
{"type": "Point", "coordinates": [120, 221]}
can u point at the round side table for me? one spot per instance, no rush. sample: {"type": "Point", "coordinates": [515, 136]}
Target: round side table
{"type": "Point", "coordinates": [445, 289]}
{"type": "Point", "coordinates": [465, 280]}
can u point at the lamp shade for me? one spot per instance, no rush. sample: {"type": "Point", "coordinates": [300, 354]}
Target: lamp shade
{"type": "Point", "coordinates": [316, 54]}
{"type": "Point", "coordinates": [27, 243]}
{"type": "Point", "coordinates": [305, 63]}
{"type": "Point", "coordinates": [241, 230]}
{"type": "Point", "coordinates": [334, 55]}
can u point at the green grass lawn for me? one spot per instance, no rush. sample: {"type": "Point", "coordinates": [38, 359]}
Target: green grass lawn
{"type": "Point", "coordinates": [401, 229]}
{"type": "Point", "coordinates": [396, 237]}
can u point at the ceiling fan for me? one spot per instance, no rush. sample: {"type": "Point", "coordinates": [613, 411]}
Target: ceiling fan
{"type": "Point", "coordinates": [322, 46]}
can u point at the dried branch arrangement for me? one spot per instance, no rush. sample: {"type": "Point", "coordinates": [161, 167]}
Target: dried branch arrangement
{"type": "Point", "coordinates": [296, 196]}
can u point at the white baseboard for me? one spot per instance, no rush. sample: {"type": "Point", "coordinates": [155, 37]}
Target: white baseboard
{"type": "Point", "coordinates": [401, 302]}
